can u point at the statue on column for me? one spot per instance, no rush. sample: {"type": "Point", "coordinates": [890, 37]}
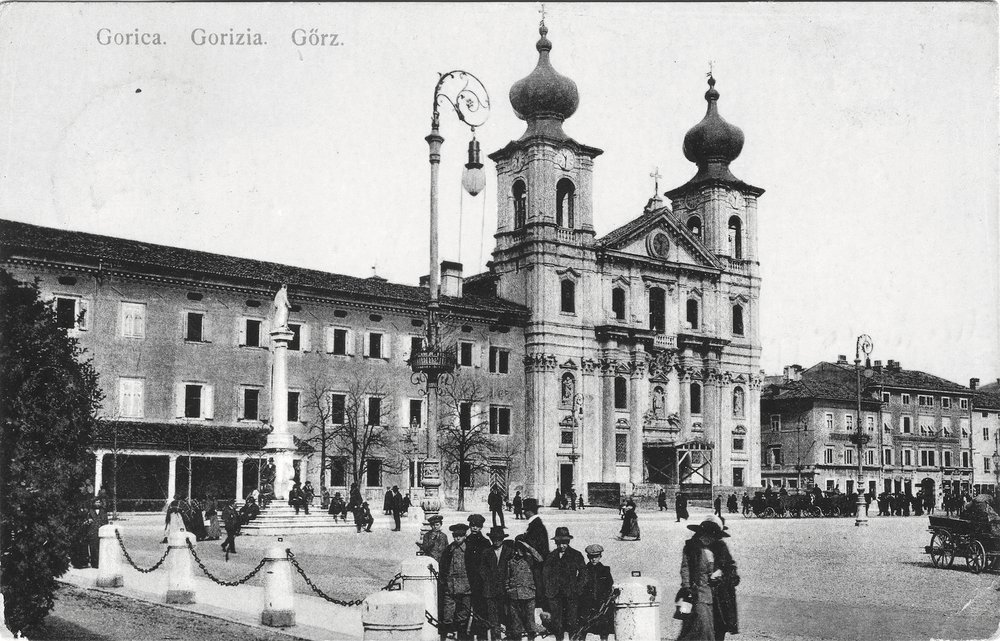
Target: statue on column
{"type": "Point", "coordinates": [281, 307]}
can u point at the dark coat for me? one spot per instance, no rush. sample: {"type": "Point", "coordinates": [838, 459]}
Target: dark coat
{"type": "Point", "coordinates": [596, 586]}
{"type": "Point", "coordinates": [396, 504]}
{"type": "Point", "coordinates": [454, 573]}
{"type": "Point", "coordinates": [494, 572]}
{"type": "Point", "coordinates": [387, 503]}
{"type": "Point", "coordinates": [537, 536]}
{"type": "Point", "coordinates": [561, 576]}
{"type": "Point", "coordinates": [724, 592]}
{"type": "Point", "coordinates": [475, 546]}
{"type": "Point", "coordinates": [521, 571]}
{"type": "Point", "coordinates": [95, 519]}
{"type": "Point", "coordinates": [495, 501]}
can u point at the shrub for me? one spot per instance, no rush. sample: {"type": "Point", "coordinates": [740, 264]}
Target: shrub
{"type": "Point", "coordinates": [49, 403]}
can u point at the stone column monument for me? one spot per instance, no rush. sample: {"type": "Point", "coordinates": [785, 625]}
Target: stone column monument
{"type": "Point", "coordinates": [280, 446]}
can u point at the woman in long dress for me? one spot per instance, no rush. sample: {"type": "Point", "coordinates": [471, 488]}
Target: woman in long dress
{"type": "Point", "coordinates": [630, 522]}
{"type": "Point", "coordinates": [697, 573]}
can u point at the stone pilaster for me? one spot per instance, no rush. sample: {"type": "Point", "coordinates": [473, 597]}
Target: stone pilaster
{"type": "Point", "coordinates": [639, 393]}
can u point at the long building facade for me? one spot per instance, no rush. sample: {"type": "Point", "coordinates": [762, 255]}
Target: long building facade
{"type": "Point", "coordinates": [622, 363]}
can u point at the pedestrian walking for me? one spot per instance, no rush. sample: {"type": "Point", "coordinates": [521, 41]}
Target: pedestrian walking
{"type": "Point", "coordinates": [455, 586]}
{"type": "Point", "coordinates": [681, 506]}
{"type": "Point", "coordinates": [630, 522]}
{"type": "Point", "coordinates": [231, 521]}
{"type": "Point", "coordinates": [596, 586]}
{"type": "Point", "coordinates": [725, 616]}
{"type": "Point", "coordinates": [387, 502]}
{"type": "Point", "coordinates": [517, 504]}
{"type": "Point", "coordinates": [214, 531]}
{"type": "Point", "coordinates": [746, 504]}
{"type": "Point", "coordinates": [435, 542]}
{"type": "Point", "coordinates": [718, 510]}
{"type": "Point", "coordinates": [572, 498]}
{"type": "Point", "coordinates": [308, 493]}
{"type": "Point", "coordinates": [661, 500]}
{"type": "Point", "coordinates": [561, 574]}
{"type": "Point", "coordinates": [495, 503]}
{"type": "Point", "coordinates": [396, 507]}
{"type": "Point", "coordinates": [580, 501]}
{"type": "Point", "coordinates": [697, 570]}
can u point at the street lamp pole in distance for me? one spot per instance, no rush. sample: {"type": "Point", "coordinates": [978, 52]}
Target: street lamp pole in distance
{"type": "Point", "coordinates": [860, 438]}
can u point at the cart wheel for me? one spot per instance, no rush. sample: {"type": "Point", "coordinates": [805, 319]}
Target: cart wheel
{"type": "Point", "coordinates": [833, 511]}
{"type": "Point", "coordinates": [975, 557]}
{"type": "Point", "coordinates": [942, 553]}
{"type": "Point", "coordinates": [768, 513]}
{"type": "Point", "coordinates": [816, 511]}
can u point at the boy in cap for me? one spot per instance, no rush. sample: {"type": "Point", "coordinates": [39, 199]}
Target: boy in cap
{"type": "Point", "coordinates": [597, 586]}
{"type": "Point", "coordinates": [456, 599]}
{"type": "Point", "coordinates": [435, 541]}
{"type": "Point", "coordinates": [561, 575]}
{"type": "Point", "coordinates": [475, 546]}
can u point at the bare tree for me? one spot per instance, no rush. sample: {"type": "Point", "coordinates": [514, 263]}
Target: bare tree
{"type": "Point", "coordinates": [320, 407]}
{"type": "Point", "coordinates": [361, 425]}
{"type": "Point", "coordinates": [464, 430]}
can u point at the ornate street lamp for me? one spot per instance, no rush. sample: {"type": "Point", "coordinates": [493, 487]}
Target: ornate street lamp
{"type": "Point", "coordinates": [468, 98]}
{"type": "Point", "coordinates": [860, 438]}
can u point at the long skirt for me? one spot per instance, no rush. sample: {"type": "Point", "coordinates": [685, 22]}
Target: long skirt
{"type": "Point", "coordinates": [699, 625]}
{"type": "Point", "coordinates": [214, 531]}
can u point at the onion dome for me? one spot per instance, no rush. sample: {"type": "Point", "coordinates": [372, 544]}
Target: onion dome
{"type": "Point", "coordinates": [545, 98]}
{"type": "Point", "coordinates": [713, 143]}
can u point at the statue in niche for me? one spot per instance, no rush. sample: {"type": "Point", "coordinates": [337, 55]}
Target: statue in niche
{"type": "Point", "coordinates": [568, 389]}
{"type": "Point", "coordinates": [738, 402]}
{"type": "Point", "coordinates": [659, 403]}
{"type": "Point", "coordinates": [281, 307]}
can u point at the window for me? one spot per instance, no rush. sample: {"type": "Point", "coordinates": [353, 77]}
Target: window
{"type": "Point", "coordinates": [519, 193]}
{"type": "Point", "coordinates": [416, 345]}
{"type": "Point", "coordinates": [293, 407]}
{"type": "Point", "coordinates": [621, 393]}
{"type": "Point", "coordinates": [465, 416]}
{"type": "Point", "coordinates": [338, 403]}
{"type": "Point", "coordinates": [870, 423]}
{"type": "Point", "coordinates": [66, 313]}
{"type": "Point", "coordinates": [692, 313]}
{"type": "Point", "coordinates": [194, 400]}
{"type": "Point", "coordinates": [657, 310]}
{"type": "Point", "coordinates": [887, 456]}
{"type": "Point", "coordinates": [374, 345]}
{"type": "Point", "coordinates": [338, 471]}
{"type": "Point", "coordinates": [925, 401]}
{"type": "Point", "coordinates": [906, 399]}
{"type": "Point", "coordinates": [945, 402]}
{"type": "Point", "coordinates": [775, 422]}
{"type": "Point", "coordinates": [775, 455]}
{"type": "Point", "coordinates": [829, 485]}
{"type": "Point", "coordinates": [737, 320]}
{"type": "Point", "coordinates": [907, 427]}
{"type": "Point", "coordinates": [133, 320]}
{"type": "Point", "coordinates": [986, 464]}
{"type": "Point", "coordinates": [738, 443]}
{"type": "Point", "coordinates": [885, 397]}
{"type": "Point", "coordinates": [499, 360]}
{"type": "Point", "coordinates": [416, 412]}
{"type": "Point", "coordinates": [374, 411]}
{"type": "Point", "coordinates": [695, 398]}
{"type": "Point", "coordinates": [869, 457]}
{"type": "Point", "coordinates": [338, 341]}
{"type": "Point", "coordinates": [926, 426]}
{"type": "Point", "coordinates": [986, 434]}
{"type": "Point", "coordinates": [965, 459]}
{"type": "Point", "coordinates": [927, 458]}
{"type": "Point", "coordinates": [251, 401]}
{"type": "Point", "coordinates": [465, 354]}
{"type": "Point", "coordinates": [963, 403]}
{"type": "Point", "coordinates": [694, 226]}
{"type": "Point", "coordinates": [848, 456]}
{"type": "Point", "coordinates": [621, 448]}
{"type": "Point", "coordinates": [828, 456]}
{"type": "Point", "coordinates": [500, 420]}
{"type": "Point", "coordinates": [735, 237]}
{"type": "Point", "coordinates": [250, 332]}
{"type": "Point", "coordinates": [618, 303]}
{"type": "Point", "coordinates": [849, 422]}
{"type": "Point", "coordinates": [295, 344]}
{"type": "Point", "coordinates": [567, 437]}
{"type": "Point", "coordinates": [195, 327]}
{"type": "Point", "coordinates": [565, 195]}
{"type": "Point", "coordinates": [130, 403]}
{"type": "Point", "coordinates": [947, 458]}
{"type": "Point", "coordinates": [373, 473]}
{"type": "Point", "coordinates": [907, 458]}
{"type": "Point", "coordinates": [567, 297]}
{"type": "Point", "coordinates": [946, 425]}
{"type": "Point", "coordinates": [829, 421]}
{"type": "Point", "coordinates": [737, 477]}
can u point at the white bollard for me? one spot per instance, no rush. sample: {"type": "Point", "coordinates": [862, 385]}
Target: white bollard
{"type": "Point", "coordinates": [637, 609]}
{"type": "Point", "coordinates": [109, 572]}
{"type": "Point", "coordinates": [279, 603]}
{"type": "Point", "coordinates": [180, 571]}
{"type": "Point", "coordinates": [418, 580]}
{"type": "Point", "coordinates": [392, 615]}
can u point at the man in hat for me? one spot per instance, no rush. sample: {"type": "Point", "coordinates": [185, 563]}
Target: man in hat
{"type": "Point", "coordinates": [494, 570]}
{"type": "Point", "coordinates": [396, 507]}
{"type": "Point", "coordinates": [597, 586]}
{"type": "Point", "coordinates": [435, 541]}
{"type": "Point", "coordinates": [476, 544]}
{"type": "Point", "coordinates": [561, 575]}
{"type": "Point", "coordinates": [537, 536]}
{"type": "Point", "coordinates": [456, 598]}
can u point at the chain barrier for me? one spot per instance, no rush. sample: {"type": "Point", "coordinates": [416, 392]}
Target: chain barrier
{"type": "Point", "coordinates": [128, 557]}
{"type": "Point", "coordinates": [230, 584]}
{"type": "Point", "coordinates": [298, 568]}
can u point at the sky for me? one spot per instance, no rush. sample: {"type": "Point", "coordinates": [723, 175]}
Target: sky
{"type": "Point", "coordinates": [872, 127]}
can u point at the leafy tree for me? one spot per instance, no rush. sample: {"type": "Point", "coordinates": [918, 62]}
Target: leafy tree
{"type": "Point", "coordinates": [464, 431]}
{"type": "Point", "coordinates": [49, 406]}
{"type": "Point", "coordinates": [363, 430]}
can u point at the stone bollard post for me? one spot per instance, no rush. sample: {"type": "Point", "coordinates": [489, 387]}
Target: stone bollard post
{"type": "Point", "coordinates": [637, 609]}
{"type": "Point", "coordinates": [279, 602]}
{"type": "Point", "coordinates": [180, 571]}
{"type": "Point", "coordinates": [418, 580]}
{"type": "Point", "coordinates": [109, 574]}
{"type": "Point", "coordinates": [392, 616]}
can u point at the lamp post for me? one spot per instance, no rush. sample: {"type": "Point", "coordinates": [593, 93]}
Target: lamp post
{"type": "Point", "coordinates": [798, 454]}
{"type": "Point", "coordinates": [467, 96]}
{"type": "Point", "coordinates": [860, 438]}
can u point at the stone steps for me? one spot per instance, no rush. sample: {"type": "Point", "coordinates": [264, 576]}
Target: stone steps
{"type": "Point", "coordinates": [279, 519]}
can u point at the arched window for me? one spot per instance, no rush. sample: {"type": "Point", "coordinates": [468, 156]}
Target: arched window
{"type": "Point", "coordinates": [735, 237]}
{"type": "Point", "coordinates": [696, 398]}
{"type": "Point", "coordinates": [567, 296]}
{"type": "Point", "coordinates": [568, 389]}
{"type": "Point", "coordinates": [520, 194]}
{"type": "Point", "coordinates": [694, 225]}
{"type": "Point", "coordinates": [621, 393]}
{"type": "Point", "coordinates": [659, 403]}
{"type": "Point", "coordinates": [737, 320]}
{"type": "Point", "coordinates": [739, 399]}
{"type": "Point", "coordinates": [618, 303]}
{"type": "Point", "coordinates": [565, 195]}
{"type": "Point", "coordinates": [657, 310]}
{"type": "Point", "coordinates": [692, 313]}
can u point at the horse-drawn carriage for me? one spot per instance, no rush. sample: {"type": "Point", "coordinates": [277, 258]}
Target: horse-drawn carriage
{"type": "Point", "coordinates": [951, 537]}
{"type": "Point", "coordinates": [800, 504]}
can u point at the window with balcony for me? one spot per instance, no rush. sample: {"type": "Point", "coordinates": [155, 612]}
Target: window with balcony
{"type": "Point", "coordinates": [657, 310]}
{"type": "Point", "coordinates": [565, 197]}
